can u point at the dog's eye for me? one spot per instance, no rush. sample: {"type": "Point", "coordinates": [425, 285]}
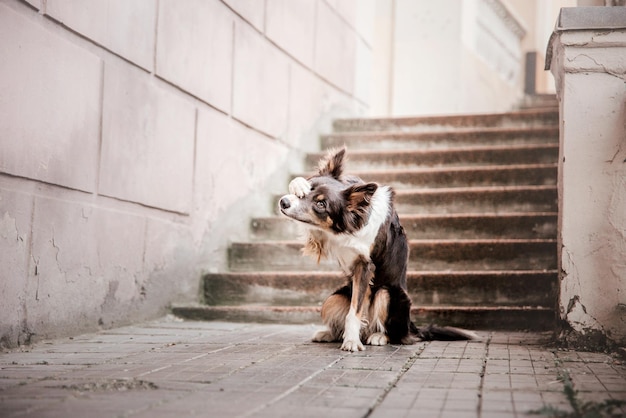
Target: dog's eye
{"type": "Point", "coordinates": [321, 204]}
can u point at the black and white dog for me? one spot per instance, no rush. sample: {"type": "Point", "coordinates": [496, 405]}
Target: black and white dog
{"type": "Point", "coordinates": [355, 223]}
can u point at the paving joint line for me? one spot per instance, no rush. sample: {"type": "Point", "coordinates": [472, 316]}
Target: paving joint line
{"type": "Point", "coordinates": [229, 374]}
{"type": "Point", "coordinates": [405, 368]}
{"type": "Point", "coordinates": [483, 371]}
{"type": "Point", "coordinates": [447, 392]}
{"type": "Point", "coordinates": [291, 389]}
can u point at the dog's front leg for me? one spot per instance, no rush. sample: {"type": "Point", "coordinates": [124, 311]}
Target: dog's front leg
{"type": "Point", "coordinates": [362, 276]}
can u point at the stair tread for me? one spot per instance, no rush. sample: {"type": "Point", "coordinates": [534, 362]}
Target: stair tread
{"type": "Point", "coordinates": [444, 150]}
{"type": "Point", "coordinates": [410, 273]}
{"type": "Point", "coordinates": [416, 171]}
{"type": "Point", "coordinates": [419, 241]}
{"type": "Point", "coordinates": [521, 112]}
{"type": "Point", "coordinates": [490, 131]}
{"type": "Point", "coordinates": [451, 176]}
{"type": "Point", "coordinates": [450, 156]}
{"type": "Point", "coordinates": [475, 168]}
{"type": "Point", "coordinates": [482, 308]}
{"type": "Point", "coordinates": [431, 216]}
{"type": "Point", "coordinates": [278, 308]}
{"type": "Point", "coordinates": [471, 189]}
{"type": "Point", "coordinates": [439, 225]}
{"type": "Point", "coordinates": [484, 119]}
{"type": "Point", "coordinates": [317, 308]}
{"type": "Point", "coordinates": [475, 189]}
{"type": "Point", "coordinates": [437, 139]}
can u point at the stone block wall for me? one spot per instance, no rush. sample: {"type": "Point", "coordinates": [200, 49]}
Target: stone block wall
{"type": "Point", "coordinates": [138, 137]}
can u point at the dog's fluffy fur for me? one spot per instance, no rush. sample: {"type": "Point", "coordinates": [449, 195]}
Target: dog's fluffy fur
{"type": "Point", "coordinates": [355, 223]}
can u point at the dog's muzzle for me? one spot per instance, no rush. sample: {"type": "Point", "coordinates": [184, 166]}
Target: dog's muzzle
{"type": "Point", "coordinates": [288, 203]}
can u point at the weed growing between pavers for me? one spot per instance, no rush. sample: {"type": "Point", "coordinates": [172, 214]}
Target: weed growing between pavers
{"type": "Point", "coordinates": [589, 340]}
{"type": "Point", "coordinates": [608, 408]}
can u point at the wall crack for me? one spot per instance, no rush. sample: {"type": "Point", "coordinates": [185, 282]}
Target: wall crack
{"type": "Point", "coordinates": [621, 76]}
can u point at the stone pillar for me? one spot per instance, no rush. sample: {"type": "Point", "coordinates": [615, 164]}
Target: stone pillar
{"type": "Point", "coordinates": [587, 56]}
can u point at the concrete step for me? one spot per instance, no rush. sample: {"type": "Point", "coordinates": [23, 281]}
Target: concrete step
{"type": "Point", "coordinates": [431, 255]}
{"type": "Point", "coordinates": [458, 200]}
{"type": "Point", "coordinates": [521, 118]}
{"type": "Point", "coordinates": [446, 226]}
{"type": "Point", "coordinates": [522, 318]}
{"type": "Point", "coordinates": [270, 288]}
{"type": "Point", "coordinates": [540, 101]}
{"type": "Point", "coordinates": [482, 288]}
{"type": "Point", "coordinates": [481, 226]}
{"type": "Point", "coordinates": [467, 288]}
{"type": "Point", "coordinates": [390, 140]}
{"type": "Point", "coordinates": [249, 313]}
{"type": "Point", "coordinates": [455, 157]}
{"type": "Point", "coordinates": [477, 200]}
{"type": "Point", "coordinates": [492, 317]}
{"type": "Point", "coordinates": [497, 175]}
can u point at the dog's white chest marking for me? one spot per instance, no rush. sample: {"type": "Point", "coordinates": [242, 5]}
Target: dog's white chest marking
{"type": "Point", "coordinates": [347, 247]}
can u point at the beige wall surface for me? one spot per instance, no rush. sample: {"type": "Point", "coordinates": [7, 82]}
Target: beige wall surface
{"type": "Point", "coordinates": [446, 57]}
{"type": "Point", "coordinates": [138, 137]}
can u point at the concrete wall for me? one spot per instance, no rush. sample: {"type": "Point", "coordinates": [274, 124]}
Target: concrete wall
{"type": "Point", "coordinates": [446, 57]}
{"type": "Point", "coordinates": [138, 137]}
{"type": "Point", "coordinates": [432, 57]}
{"type": "Point", "coordinates": [539, 17]}
{"type": "Point", "coordinates": [590, 71]}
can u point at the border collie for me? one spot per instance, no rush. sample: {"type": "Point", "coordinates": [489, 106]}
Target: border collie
{"type": "Point", "coordinates": [355, 223]}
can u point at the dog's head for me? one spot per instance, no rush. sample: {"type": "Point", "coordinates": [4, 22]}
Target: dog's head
{"type": "Point", "coordinates": [329, 201]}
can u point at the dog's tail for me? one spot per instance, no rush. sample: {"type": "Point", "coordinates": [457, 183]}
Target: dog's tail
{"type": "Point", "coordinates": [433, 332]}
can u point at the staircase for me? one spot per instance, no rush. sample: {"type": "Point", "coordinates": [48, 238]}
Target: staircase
{"type": "Point", "coordinates": [477, 197]}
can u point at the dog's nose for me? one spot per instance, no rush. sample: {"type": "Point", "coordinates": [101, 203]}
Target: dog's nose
{"type": "Point", "coordinates": [285, 203]}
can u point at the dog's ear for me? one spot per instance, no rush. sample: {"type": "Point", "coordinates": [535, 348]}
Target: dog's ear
{"type": "Point", "coordinates": [358, 198]}
{"type": "Point", "coordinates": [359, 195]}
{"type": "Point", "coordinates": [332, 164]}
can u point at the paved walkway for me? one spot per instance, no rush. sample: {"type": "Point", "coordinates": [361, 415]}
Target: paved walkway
{"type": "Point", "coordinates": [180, 369]}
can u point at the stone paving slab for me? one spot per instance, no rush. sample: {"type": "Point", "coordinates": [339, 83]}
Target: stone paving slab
{"type": "Point", "coordinates": [171, 368]}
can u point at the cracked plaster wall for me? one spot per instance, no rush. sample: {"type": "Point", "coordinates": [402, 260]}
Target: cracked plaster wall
{"type": "Point", "coordinates": [590, 70]}
{"type": "Point", "coordinates": [126, 168]}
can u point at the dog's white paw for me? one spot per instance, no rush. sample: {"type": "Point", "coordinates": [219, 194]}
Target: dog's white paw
{"type": "Point", "coordinates": [300, 187]}
{"type": "Point", "coordinates": [323, 336]}
{"type": "Point", "coordinates": [352, 345]}
{"type": "Point", "coordinates": [378, 338]}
